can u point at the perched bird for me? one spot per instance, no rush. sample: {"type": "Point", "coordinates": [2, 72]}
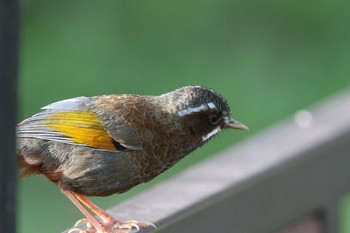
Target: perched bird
{"type": "Point", "coordinates": [102, 145]}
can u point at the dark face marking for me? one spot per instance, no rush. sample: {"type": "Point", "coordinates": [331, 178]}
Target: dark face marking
{"type": "Point", "coordinates": [203, 111]}
{"type": "Point", "coordinates": [204, 124]}
{"type": "Point", "coordinates": [214, 118]}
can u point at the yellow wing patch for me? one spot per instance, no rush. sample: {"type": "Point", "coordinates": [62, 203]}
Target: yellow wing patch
{"type": "Point", "coordinates": [81, 127]}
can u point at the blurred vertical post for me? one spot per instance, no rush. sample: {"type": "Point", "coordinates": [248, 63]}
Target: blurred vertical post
{"type": "Point", "coordinates": [9, 14]}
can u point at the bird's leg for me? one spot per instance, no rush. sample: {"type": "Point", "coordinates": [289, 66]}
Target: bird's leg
{"type": "Point", "coordinates": [100, 228]}
{"type": "Point", "coordinates": [106, 218]}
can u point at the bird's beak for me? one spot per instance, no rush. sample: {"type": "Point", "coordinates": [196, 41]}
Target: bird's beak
{"type": "Point", "coordinates": [233, 124]}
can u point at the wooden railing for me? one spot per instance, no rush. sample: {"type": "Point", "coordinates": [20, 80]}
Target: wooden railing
{"type": "Point", "coordinates": [289, 178]}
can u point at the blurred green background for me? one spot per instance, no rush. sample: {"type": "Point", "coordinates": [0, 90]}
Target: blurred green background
{"type": "Point", "coordinates": [268, 58]}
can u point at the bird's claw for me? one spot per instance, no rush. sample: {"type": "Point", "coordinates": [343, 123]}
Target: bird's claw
{"type": "Point", "coordinates": [84, 226]}
{"type": "Point", "coordinates": [127, 225]}
{"type": "Point", "coordinates": [82, 221]}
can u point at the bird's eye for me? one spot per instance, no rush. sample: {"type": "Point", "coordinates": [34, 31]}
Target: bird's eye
{"type": "Point", "coordinates": [214, 118]}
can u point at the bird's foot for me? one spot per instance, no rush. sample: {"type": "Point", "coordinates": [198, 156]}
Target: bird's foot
{"type": "Point", "coordinates": [85, 226]}
{"type": "Point", "coordinates": [82, 226]}
{"type": "Point", "coordinates": [108, 220]}
{"type": "Point", "coordinates": [84, 221]}
{"type": "Point", "coordinates": [131, 226]}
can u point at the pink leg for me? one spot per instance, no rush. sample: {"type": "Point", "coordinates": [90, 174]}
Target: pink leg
{"type": "Point", "coordinates": [106, 218]}
{"type": "Point", "coordinates": [100, 228]}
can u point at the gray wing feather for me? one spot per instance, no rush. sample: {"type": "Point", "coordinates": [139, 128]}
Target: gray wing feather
{"type": "Point", "coordinates": [78, 103]}
{"type": "Point", "coordinates": [33, 126]}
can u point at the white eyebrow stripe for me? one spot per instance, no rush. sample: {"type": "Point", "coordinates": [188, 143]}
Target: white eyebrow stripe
{"type": "Point", "coordinates": [212, 133]}
{"type": "Point", "coordinates": [191, 110]}
{"type": "Point", "coordinates": [211, 105]}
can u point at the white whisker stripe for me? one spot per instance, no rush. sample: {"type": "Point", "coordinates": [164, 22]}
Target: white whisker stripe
{"type": "Point", "coordinates": [212, 133]}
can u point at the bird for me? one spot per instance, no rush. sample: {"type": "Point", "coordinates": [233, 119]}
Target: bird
{"type": "Point", "coordinates": [107, 144]}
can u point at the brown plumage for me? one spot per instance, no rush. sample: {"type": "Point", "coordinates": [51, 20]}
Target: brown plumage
{"type": "Point", "coordinates": [107, 144]}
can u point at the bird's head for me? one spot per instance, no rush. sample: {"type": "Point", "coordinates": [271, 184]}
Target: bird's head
{"type": "Point", "coordinates": [203, 112]}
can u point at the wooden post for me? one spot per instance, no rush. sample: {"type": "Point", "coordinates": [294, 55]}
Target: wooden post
{"type": "Point", "coordinates": [8, 98]}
